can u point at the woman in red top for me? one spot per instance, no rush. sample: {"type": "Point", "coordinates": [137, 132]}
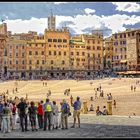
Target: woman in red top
{"type": "Point", "coordinates": [40, 115]}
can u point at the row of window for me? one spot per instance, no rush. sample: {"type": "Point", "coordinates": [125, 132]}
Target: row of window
{"type": "Point", "coordinates": [36, 53]}
{"type": "Point", "coordinates": [92, 41]}
{"type": "Point", "coordinates": [87, 47]}
{"type": "Point", "coordinates": [120, 57]}
{"type": "Point", "coordinates": [59, 46]}
{"type": "Point", "coordinates": [124, 35]}
{"type": "Point", "coordinates": [57, 40]}
{"type": "Point", "coordinates": [121, 43]}
{"type": "Point", "coordinates": [121, 49]}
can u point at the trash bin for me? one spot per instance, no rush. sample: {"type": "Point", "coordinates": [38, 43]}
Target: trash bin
{"type": "Point", "coordinates": [109, 107]}
{"type": "Point", "coordinates": [85, 108]}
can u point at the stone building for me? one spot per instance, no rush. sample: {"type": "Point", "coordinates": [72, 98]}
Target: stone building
{"type": "Point", "coordinates": [126, 48]}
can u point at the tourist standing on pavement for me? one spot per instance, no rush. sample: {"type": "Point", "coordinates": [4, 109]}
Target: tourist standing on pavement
{"type": "Point", "coordinates": [14, 115]}
{"type": "Point", "coordinates": [40, 115]}
{"type": "Point", "coordinates": [6, 113]}
{"type": "Point", "coordinates": [64, 114]}
{"type": "Point", "coordinates": [22, 114]}
{"type": "Point", "coordinates": [55, 115]}
{"type": "Point", "coordinates": [77, 110]}
{"type": "Point", "coordinates": [47, 107]}
{"type": "Point", "coordinates": [32, 115]}
{"type": "Point", "coordinates": [1, 108]}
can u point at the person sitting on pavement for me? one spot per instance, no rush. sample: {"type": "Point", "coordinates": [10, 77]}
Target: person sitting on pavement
{"type": "Point", "coordinates": [105, 111]}
{"type": "Point", "coordinates": [91, 108]}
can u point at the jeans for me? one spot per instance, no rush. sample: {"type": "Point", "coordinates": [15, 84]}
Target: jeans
{"type": "Point", "coordinates": [40, 120]}
{"type": "Point", "coordinates": [47, 120]}
{"type": "Point", "coordinates": [5, 126]}
{"type": "Point", "coordinates": [33, 120]}
{"type": "Point", "coordinates": [23, 121]}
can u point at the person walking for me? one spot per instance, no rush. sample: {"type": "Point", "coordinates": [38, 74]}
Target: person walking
{"type": "Point", "coordinates": [32, 115]}
{"type": "Point", "coordinates": [47, 107]}
{"type": "Point", "coordinates": [40, 115]}
{"type": "Point", "coordinates": [64, 114]}
{"type": "Point", "coordinates": [22, 114]}
{"type": "Point", "coordinates": [77, 110]}
{"type": "Point", "coordinates": [114, 103]}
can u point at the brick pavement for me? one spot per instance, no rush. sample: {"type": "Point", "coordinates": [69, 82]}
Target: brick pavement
{"type": "Point", "coordinates": [91, 126]}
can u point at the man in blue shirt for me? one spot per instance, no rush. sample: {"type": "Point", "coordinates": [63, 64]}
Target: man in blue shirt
{"type": "Point", "coordinates": [77, 110]}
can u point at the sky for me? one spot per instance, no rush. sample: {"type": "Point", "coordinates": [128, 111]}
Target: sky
{"type": "Point", "coordinates": [79, 17]}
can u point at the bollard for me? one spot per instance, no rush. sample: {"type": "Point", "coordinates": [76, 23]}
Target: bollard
{"type": "Point", "coordinates": [85, 108]}
{"type": "Point", "coordinates": [109, 107]}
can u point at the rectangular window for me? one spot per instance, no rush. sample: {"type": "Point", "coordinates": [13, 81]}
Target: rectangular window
{"type": "Point", "coordinates": [36, 53]}
{"type": "Point", "coordinates": [10, 62]}
{"type": "Point", "coordinates": [64, 53]}
{"type": "Point", "coordinates": [59, 53]}
{"type": "Point", "coordinates": [59, 40]}
{"type": "Point", "coordinates": [22, 54]}
{"type": "Point", "coordinates": [65, 40]}
{"type": "Point", "coordinates": [30, 62]}
{"type": "Point", "coordinates": [16, 62]}
{"type": "Point", "coordinates": [54, 40]}
{"type": "Point", "coordinates": [30, 53]}
{"type": "Point", "coordinates": [71, 53]}
{"type": "Point", "coordinates": [77, 53]}
{"type": "Point", "coordinates": [54, 52]}
{"type": "Point", "coordinates": [49, 40]}
{"type": "Point", "coordinates": [37, 62]}
{"type": "Point", "coordinates": [16, 54]}
{"type": "Point", "coordinates": [83, 53]}
{"type": "Point", "coordinates": [63, 62]}
{"type": "Point", "coordinates": [115, 36]}
{"type": "Point", "coordinates": [43, 62]}
{"type": "Point", "coordinates": [23, 62]}
{"type": "Point", "coordinates": [22, 47]}
{"type": "Point", "coordinates": [49, 45]}
{"type": "Point", "coordinates": [51, 61]}
{"type": "Point", "coordinates": [120, 35]}
{"type": "Point", "coordinates": [42, 53]}
{"type": "Point", "coordinates": [49, 52]}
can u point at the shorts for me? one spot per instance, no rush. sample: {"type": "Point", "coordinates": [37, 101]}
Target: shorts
{"type": "Point", "coordinates": [76, 113]}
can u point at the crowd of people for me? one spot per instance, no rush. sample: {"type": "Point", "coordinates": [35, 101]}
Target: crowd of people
{"type": "Point", "coordinates": [45, 116]}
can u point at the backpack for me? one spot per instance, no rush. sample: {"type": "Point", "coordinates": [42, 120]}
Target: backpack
{"type": "Point", "coordinates": [48, 108]}
{"type": "Point", "coordinates": [14, 109]}
{"type": "Point", "coordinates": [66, 109]}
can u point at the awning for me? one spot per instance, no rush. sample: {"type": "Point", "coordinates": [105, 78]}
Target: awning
{"type": "Point", "coordinates": [123, 61]}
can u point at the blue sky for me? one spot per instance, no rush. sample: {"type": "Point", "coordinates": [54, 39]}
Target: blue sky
{"type": "Point", "coordinates": [80, 17]}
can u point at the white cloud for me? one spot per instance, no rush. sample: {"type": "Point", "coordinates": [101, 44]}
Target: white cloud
{"type": "Point", "coordinates": [78, 23]}
{"type": "Point", "coordinates": [127, 6]}
{"type": "Point", "coordinates": [34, 24]}
{"type": "Point", "coordinates": [89, 11]}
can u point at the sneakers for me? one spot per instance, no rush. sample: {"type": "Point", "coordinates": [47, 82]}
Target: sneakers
{"type": "Point", "coordinates": [73, 126]}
